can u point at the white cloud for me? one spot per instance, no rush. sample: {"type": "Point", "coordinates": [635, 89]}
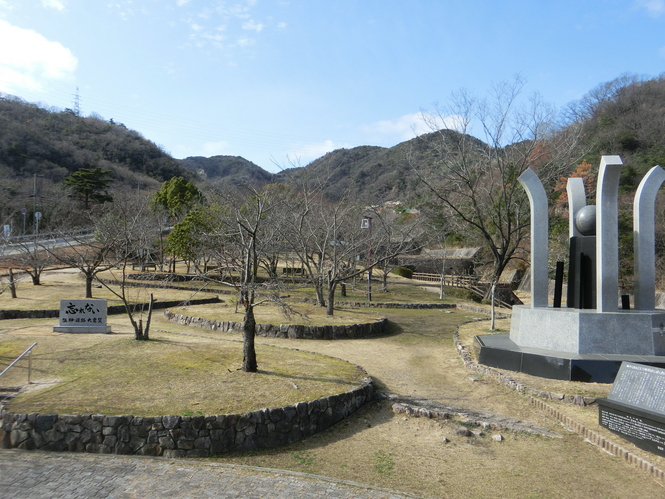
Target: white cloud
{"type": "Point", "coordinates": [253, 26]}
{"type": "Point", "coordinates": [246, 42]}
{"type": "Point", "coordinates": [180, 3]}
{"type": "Point", "coordinates": [411, 125]}
{"type": "Point", "coordinates": [235, 19]}
{"type": "Point", "coordinates": [282, 25]}
{"type": "Point", "coordinates": [34, 61]}
{"type": "Point", "coordinates": [655, 8]}
{"type": "Point", "coordinates": [53, 4]}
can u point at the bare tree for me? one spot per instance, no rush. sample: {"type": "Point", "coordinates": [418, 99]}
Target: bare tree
{"type": "Point", "coordinates": [332, 245]}
{"type": "Point", "coordinates": [32, 258]}
{"type": "Point", "coordinates": [89, 251]}
{"type": "Point", "coordinates": [242, 237]}
{"type": "Point", "coordinates": [474, 182]}
{"type": "Point", "coordinates": [134, 230]}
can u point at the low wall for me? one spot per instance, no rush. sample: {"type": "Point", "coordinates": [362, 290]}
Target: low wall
{"type": "Point", "coordinates": [179, 436]}
{"type": "Point", "coordinates": [293, 331]}
{"type": "Point", "coordinates": [114, 309]}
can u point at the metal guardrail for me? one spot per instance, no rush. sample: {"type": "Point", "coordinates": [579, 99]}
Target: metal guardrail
{"type": "Point", "coordinates": [45, 235]}
{"type": "Point", "coordinates": [29, 352]}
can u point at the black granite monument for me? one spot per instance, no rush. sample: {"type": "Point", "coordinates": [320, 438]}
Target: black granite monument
{"type": "Point", "coordinates": [635, 408]}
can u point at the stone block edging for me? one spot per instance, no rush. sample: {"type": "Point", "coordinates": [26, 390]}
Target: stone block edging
{"type": "Point", "coordinates": [292, 331]}
{"type": "Point", "coordinates": [180, 436]}
{"type": "Point", "coordinates": [162, 285]}
{"type": "Point", "coordinates": [597, 439]}
{"type": "Point", "coordinates": [536, 397]}
{"type": "Point", "coordinates": [505, 380]}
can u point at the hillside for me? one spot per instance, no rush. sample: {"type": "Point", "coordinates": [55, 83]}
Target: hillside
{"type": "Point", "coordinates": [55, 143]}
{"type": "Point", "coordinates": [39, 147]}
{"type": "Point", "coordinates": [625, 116]}
{"type": "Point", "coordinates": [234, 170]}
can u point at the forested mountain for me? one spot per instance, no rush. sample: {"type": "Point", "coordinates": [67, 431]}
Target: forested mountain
{"type": "Point", "coordinates": [39, 147]}
{"type": "Point", "coordinates": [374, 174]}
{"type": "Point", "coordinates": [55, 143]}
{"type": "Point", "coordinates": [626, 117]}
{"type": "Point", "coordinates": [234, 170]}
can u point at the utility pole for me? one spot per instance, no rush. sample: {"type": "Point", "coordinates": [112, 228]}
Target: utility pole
{"type": "Point", "coordinates": [34, 202]}
{"type": "Point", "coordinates": [367, 224]}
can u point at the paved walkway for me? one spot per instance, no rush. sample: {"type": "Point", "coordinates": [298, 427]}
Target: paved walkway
{"type": "Point", "coordinates": [36, 475]}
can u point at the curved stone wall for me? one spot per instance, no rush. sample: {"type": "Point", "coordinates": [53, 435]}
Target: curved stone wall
{"type": "Point", "coordinates": [293, 331]}
{"type": "Point", "coordinates": [179, 436]}
{"type": "Point", "coordinates": [113, 309]}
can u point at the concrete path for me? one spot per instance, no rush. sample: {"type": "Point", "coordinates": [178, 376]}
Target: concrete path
{"type": "Point", "coordinates": [36, 475]}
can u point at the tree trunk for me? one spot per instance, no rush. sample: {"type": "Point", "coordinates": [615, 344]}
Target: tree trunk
{"type": "Point", "coordinates": [384, 289]}
{"type": "Point", "coordinates": [320, 300]}
{"type": "Point", "coordinates": [249, 364]}
{"type": "Point", "coordinates": [35, 279]}
{"type": "Point", "coordinates": [146, 331]}
{"type": "Point", "coordinates": [88, 286]}
{"type": "Point", "coordinates": [331, 298]}
{"type": "Point", "coordinates": [12, 283]}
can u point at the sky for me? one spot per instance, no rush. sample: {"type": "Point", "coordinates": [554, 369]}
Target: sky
{"type": "Point", "coordinates": [281, 83]}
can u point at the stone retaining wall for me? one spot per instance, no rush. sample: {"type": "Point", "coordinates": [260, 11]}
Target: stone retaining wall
{"type": "Point", "coordinates": [114, 309]}
{"type": "Point", "coordinates": [293, 331]}
{"type": "Point", "coordinates": [179, 436]}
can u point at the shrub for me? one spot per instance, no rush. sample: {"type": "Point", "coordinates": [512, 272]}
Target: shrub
{"type": "Point", "coordinates": [403, 272]}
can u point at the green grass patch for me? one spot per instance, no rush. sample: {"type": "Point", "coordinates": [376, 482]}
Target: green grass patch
{"type": "Point", "coordinates": [383, 463]}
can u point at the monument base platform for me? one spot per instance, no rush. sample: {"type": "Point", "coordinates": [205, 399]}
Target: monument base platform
{"type": "Point", "coordinates": [587, 331]}
{"type": "Point", "coordinates": [498, 350]}
{"type": "Point", "coordinates": [82, 329]}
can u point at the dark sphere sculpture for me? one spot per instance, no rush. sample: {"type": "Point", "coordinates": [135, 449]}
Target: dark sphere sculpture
{"type": "Point", "coordinates": [585, 220]}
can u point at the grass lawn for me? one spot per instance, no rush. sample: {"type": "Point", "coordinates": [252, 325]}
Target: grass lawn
{"type": "Point", "coordinates": [170, 374]}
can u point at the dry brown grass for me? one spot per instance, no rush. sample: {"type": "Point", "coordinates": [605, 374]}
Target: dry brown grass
{"type": "Point", "coordinates": [171, 374]}
{"type": "Point", "coordinates": [380, 448]}
{"type": "Point", "coordinates": [66, 284]}
{"type": "Point", "coordinates": [467, 333]}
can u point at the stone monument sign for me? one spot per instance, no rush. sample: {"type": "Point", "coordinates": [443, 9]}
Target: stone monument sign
{"type": "Point", "coordinates": [635, 408]}
{"type": "Point", "coordinates": [82, 316]}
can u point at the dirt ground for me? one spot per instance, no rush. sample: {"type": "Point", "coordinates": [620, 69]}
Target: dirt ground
{"type": "Point", "coordinates": [428, 457]}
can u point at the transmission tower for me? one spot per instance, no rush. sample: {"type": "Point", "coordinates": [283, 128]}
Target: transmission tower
{"type": "Point", "coordinates": [77, 103]}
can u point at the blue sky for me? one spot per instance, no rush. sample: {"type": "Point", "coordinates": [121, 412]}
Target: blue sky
{"type": "Point", "coordinates": [270, 80]}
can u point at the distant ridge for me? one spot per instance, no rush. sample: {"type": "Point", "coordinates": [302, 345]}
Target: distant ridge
{"type": "Point", "coordinates": [232, 169]}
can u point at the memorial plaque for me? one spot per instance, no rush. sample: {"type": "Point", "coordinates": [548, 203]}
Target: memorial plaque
{"type": "Point", "coordinates": [635, 408]}
{"type": "Point", "coordinates": [640, 386]}
{"type": "Point", "coordinates": [82, 316]}
{"type": "Point", "coordinates": [647, 431]}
